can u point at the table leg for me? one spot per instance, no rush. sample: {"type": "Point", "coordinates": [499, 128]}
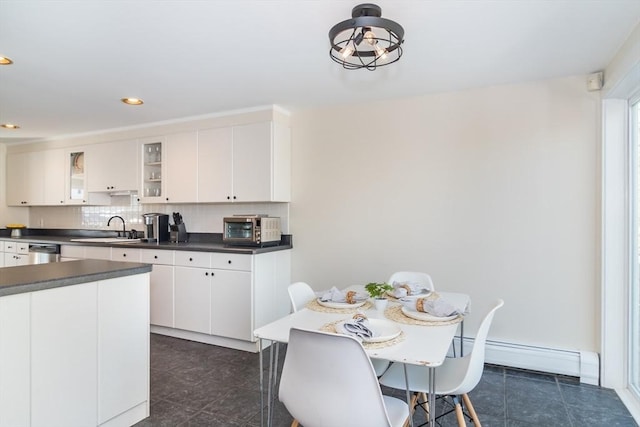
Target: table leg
{"type": "Point", "coordinates": [462, 338]}
{"type": "Point", "coordinates": [273, 375]}
{"type": "Point", "coordinates": [406, 383]}
{"type": "Point", "coordinates": [261, 373]}
{"type": "Point", "coordinates": [432, 397]}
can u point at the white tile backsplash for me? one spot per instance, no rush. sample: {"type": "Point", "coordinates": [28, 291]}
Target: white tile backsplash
{"type": "Point", "coordinates": [198, 218]}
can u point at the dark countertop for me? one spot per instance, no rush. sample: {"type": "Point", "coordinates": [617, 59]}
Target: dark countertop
{"type": "Point", "coordinates": [38, 277]}
{"type": "Point", "coordinates": [206, 244]}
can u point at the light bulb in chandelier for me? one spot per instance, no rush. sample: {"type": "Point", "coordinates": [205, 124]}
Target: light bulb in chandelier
{"type": "Point", "coordinates": [347, 50]}
{"type": "Point", "coordinates": [371, 38]}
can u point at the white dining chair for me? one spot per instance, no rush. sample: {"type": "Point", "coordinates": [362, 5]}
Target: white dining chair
{"type": "Point", "coordinates": [455, 377]}
{"type": "Point", "coordinates": [416, 277]}
{"type": "Point", "coordinates": [300, 294]}
{"type": "Point", "coordinates": [327, 381]}
{"type": "Point", "coordinates": [412, 277]}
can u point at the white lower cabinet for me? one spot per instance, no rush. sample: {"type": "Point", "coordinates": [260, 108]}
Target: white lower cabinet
{"type": "Point", "coordinates": [76, 355]}
{"type": "Point", "coordinates": [15, 253]}
{"type": "Point", "coordinates": [192, 293]}
{"type": "Point", "coordinates": [53, 363]}
{"type": "Point", "coordinates": [15, 365]}
{"type": "Point", "coordinates": [123, 358]}
{"type": "Point", "coordinates": [71, 252]}
{"type": "Point", "coordinates": [232, 304]}
{"type": "Point", "coordinates": [226, 296]}
{"type": "Point", "coordinates": [161, 292]}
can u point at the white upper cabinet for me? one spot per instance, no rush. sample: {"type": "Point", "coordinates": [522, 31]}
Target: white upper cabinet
{"type": "Point", "coordinates": [215, 168]}
{"type": "Point", "coordinates": [247, 163]}
{"type": "Point", "coordinates": [36, 178]}
{"type": "Point", "coordinates": [53, 162]}
{"type": "Point", "coordinates": [112, 166]}
{"type": "Point", "coordinates": [181, 167]}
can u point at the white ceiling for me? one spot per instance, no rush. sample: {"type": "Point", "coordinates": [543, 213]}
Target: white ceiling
{"type": "Point", "coordinates": [74, 60]}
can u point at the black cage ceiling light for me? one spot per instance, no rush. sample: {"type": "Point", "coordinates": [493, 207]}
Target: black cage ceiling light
{"type": "Point", "coordinates": [366, 40]}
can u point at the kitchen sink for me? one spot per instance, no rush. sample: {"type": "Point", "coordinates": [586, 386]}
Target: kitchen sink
{"type": "Point", "coordinates": [106, 240]}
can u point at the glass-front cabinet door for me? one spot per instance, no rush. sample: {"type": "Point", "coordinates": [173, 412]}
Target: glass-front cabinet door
{"type": "Point", "coordinates": [152, 171]}
{"type": "Point", "coordinates": [76, 187]}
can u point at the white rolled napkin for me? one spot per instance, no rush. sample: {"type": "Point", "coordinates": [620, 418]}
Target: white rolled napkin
{"type": "Point", "coordinates": [434, 305]}
{"type": "Point", "coordinates": [336, 295]}
{"type": "Point", "coordinates": [357, 328]}
{"type": "Point", "coordinates": [400, 289]}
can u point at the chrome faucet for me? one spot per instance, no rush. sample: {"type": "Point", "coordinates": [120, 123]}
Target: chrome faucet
{"type": "Point", "coordinates": [124, 229]}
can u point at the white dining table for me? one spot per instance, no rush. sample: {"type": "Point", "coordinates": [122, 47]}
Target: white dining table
{"type": "Point", "coordinates": [424, 345]}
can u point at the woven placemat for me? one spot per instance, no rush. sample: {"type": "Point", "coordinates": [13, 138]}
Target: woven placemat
{"type": "Point", "coordinates": [313, 305]}
{"type": "Point", "coordinates": [395, 313]}
{"type": "Point", "coordinates": [331, 327]}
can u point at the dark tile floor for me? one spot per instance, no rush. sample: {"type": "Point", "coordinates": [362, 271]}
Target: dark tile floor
{"type": "Point", "coordinates": [194, 384]}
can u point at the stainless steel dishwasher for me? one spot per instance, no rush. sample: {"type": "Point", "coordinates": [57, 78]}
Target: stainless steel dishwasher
{"type": "Point", "coordinates": [42, 253]}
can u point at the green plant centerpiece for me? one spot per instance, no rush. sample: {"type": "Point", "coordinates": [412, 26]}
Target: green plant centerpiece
{"type": "Point", "coordinates": [377, 290]}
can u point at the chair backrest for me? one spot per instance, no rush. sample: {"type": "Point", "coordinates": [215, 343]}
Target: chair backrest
{"type": "Point", "coordinates": [412, 277]}
{"type": "Point", "coordinates": [476, 357]}
{"type": "Point", "coordinates": [327, 380]}
{"type": "Point", "coordinates": [300, 294]}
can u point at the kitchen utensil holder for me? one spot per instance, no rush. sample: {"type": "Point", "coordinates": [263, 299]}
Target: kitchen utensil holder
{"type": "Point", "coordinates": [178, 233]}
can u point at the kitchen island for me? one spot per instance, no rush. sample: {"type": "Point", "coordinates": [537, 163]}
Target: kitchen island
{"type": "Point", "coordinates": [74, 344]}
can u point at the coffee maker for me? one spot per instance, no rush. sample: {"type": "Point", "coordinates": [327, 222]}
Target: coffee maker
{"type": "Point", "coordinates": [156, 227]}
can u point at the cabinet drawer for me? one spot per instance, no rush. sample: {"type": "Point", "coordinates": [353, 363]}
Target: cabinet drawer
{"type": "Point", "coordinates": [10, 247]}
{"type": "Point", "coordinates": [231, 261]}
{"type": "Point", "coordinates": [23, 248]}
{"type": "Point", "coordinates": [193, 259]}
{"type": "Point", "coordinates": [1, 245]}
{"type": "Point", "coordinates": [71, 251]}
{"type": "Point", "coordinates": [97, 252]}
{"type": "Point", "coordinates": [153, 256]}
{"type": "Point", "coordinates": [125, 254]}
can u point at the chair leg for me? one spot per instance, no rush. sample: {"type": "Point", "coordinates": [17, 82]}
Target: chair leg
{"type": "Point", "coordinates": [472, 412]}
{"type": "Point", "coordinates": [412, 404]}
{"type": "Point", "coordinates": [460, 415]}
{"type": "Point", "coordinates": [425, 405]}
{"type": "Point", "coordinates": [295, 423]}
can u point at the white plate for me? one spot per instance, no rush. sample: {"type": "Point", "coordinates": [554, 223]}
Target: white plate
{"type": "Point", "coordinates": [332, 304]}
{"type": "Point", "coordinates": [419, 315]}
{"type": "Point", "coordinates": [383, 330]}
{"type": "Point", "coordinates": [422, 294]}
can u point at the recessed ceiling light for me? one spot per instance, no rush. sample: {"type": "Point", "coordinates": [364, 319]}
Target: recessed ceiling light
{"type": "Point", "coordinates": [9, 126]}
{"type": "Point", "coordinates": [132, 101]}
{"type": "Point", "coordinates": [5, 61]}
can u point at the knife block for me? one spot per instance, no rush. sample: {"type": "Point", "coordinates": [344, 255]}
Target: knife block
{"type": "Point", "coordinates": [178, 233]}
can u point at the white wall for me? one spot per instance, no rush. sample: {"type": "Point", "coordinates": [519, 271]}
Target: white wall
{"type": "Point", "coordinates": [492, 191]}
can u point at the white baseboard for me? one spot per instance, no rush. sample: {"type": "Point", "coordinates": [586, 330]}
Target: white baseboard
{"type": "Point", "coordinates": [206, 338]}
{"type": "Point", "coordinates": [582, 364]}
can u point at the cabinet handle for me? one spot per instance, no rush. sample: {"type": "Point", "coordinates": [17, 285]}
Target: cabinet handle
{"type": "Point", "coordinates": [61, 201]}
{"type": "Point", "coordinates": [167, 199]}
{"type": "Point", "coordinates": [190, 259]}
{"type": "Point", "coordinates": [155, 256]}
{"type": "Point", "coordinates": [229, 261]}
{"type": "Point", "coordinates": [124, 255]}
{"type": "Point", "coordinates": [206, 273]}
{"type": "Point", "coordinates": [234, 197]}
{"type": "Point", "coordinates": [228, 198]}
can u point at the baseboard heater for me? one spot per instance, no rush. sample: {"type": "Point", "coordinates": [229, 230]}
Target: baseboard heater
{"type": "Point", "coordinates": [582, 364]}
